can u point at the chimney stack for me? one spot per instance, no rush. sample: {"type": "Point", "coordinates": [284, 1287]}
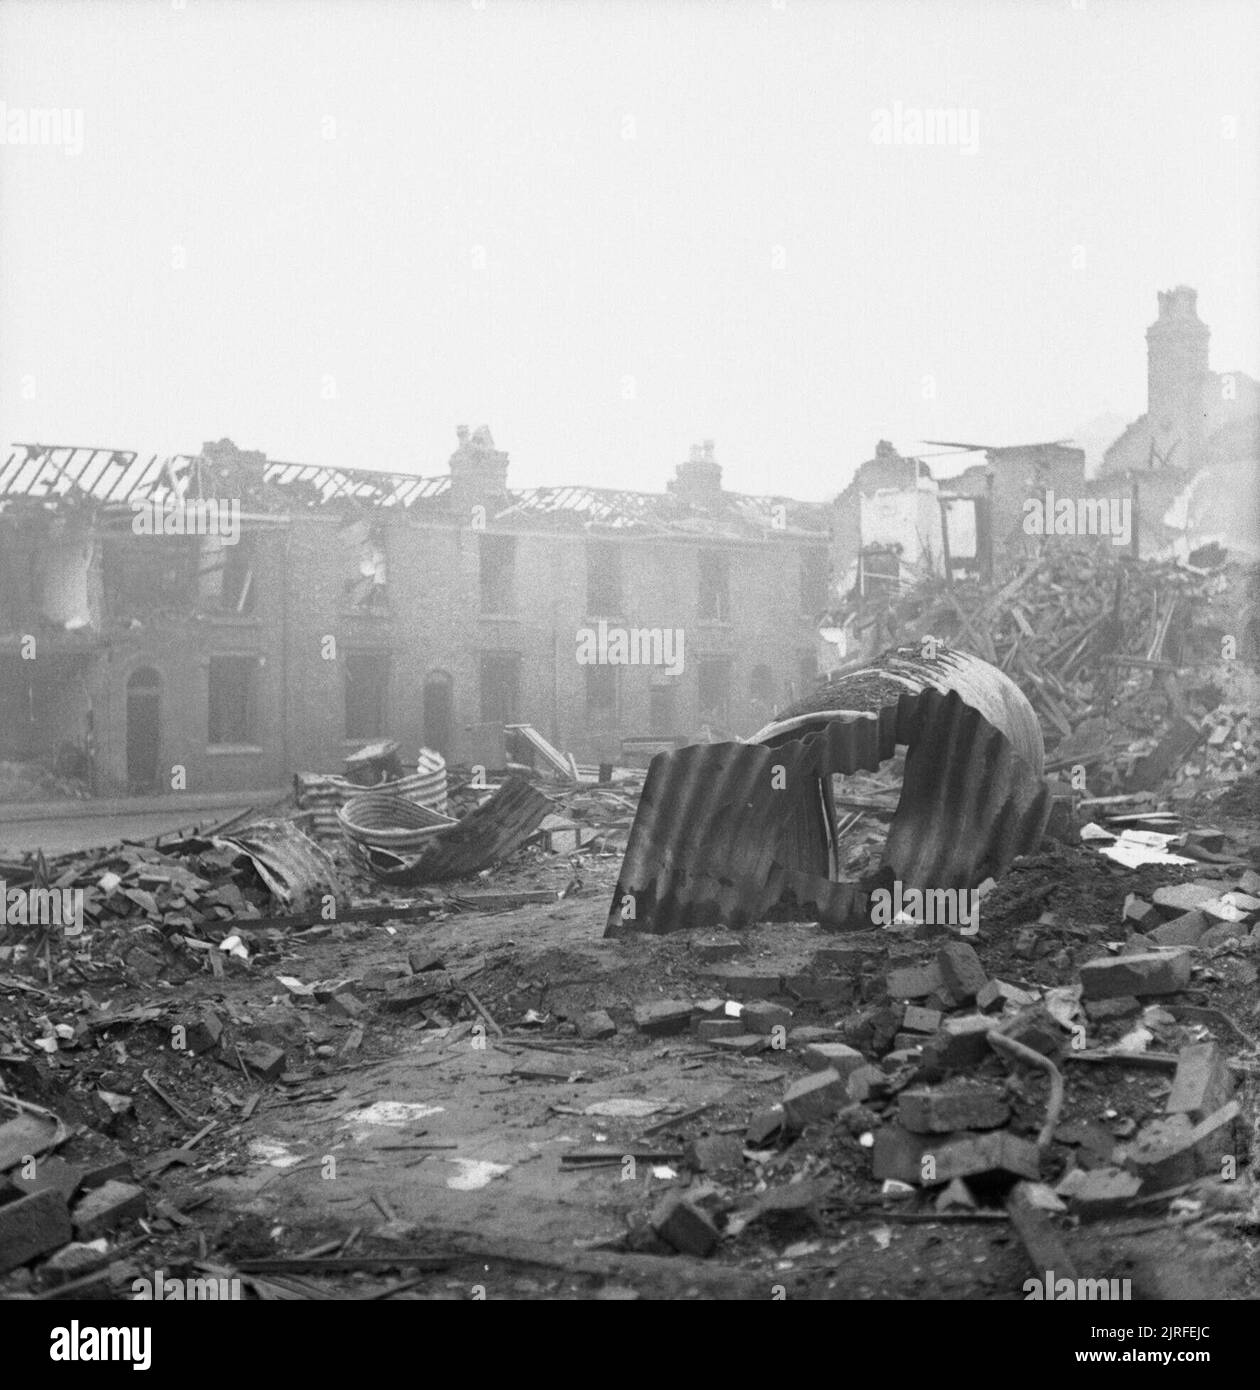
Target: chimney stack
{"type": "Point", "coordinates": [478, 472]}
{"type": "Point", "coordinates": [699, 480]}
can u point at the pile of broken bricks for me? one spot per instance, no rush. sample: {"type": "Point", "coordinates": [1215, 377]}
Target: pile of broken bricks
{"type": "Point", "coordinates": [934, 1078]}
{"type": "Point", "coordinates": [75, 1218]}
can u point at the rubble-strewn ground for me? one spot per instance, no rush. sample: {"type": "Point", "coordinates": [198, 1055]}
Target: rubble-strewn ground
{"type": "Point", "coordinates": [425, 1102]}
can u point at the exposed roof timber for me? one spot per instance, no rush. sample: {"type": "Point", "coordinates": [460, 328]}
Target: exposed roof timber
{"type": "Point", "coordinates": [115, 477]}
{"type": "Point", "coordinates": [997, 448]}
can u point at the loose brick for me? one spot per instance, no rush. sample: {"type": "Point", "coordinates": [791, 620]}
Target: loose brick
{"type": "Point", "coordinates": [380, 977]}
{"type": "Point", "coordinates": [72, 1261]}
{"type": "Point", "coordinates": [838, 1056]}
{"type": "Point", "coordinates": [413, 991]}
{"type": "Point", "coordinates": [712, 949]}
{"type": "Point", "coordinates": [1157, 972]}
{"type": "Point", "coordinates": [1178, 898]}
{"type": "Point", "coordinates": [1140, 913]}
{"type": "Point", "coordinates": [1181, 931]}
{"type": "Point", "coordinates": [815, 1097]}
{"type": "Point", "coordinates": [422, 960]}
{"type": "Point", "coordinates": [944, 1109]}
{"type": "Point", "coordinates": [1037, 1028]}
{"type": "Point", "coordinates": [995, 995]}
{"type": "Point", "coordinates": [1099, 1192]}
{"type": "Point", "coordinates": [51, 1174]}
{"type": "Point", "coordinates": [764, 1124]}
{"type": "Point", "coordinates": [1100, 1010]}
{"type": "Point", "coordinates": [829, 989]}
{"type": "Point", "coordinates": [961, 971]}
{"type": "Point", "coordinates": [897, 1154]}
{"type": "Point", "coordinates": [683, 1225]}
{"type": "Point", "coordinates": [202, 1031]}
{"type": "Point", "coordinates": [919, 1020]}
{"type": "Point", "coordinates": [961, 1042]}
{"type": "Point", "coordinates": [867, 1083]}
{"type": "Point", "coordinates": [739, 982]}
{"type": "Point", "coordinates": [811, 1033]}
{"type": "Point", "coordinates": [106, 1208]}
{"type": "Point", "coordinates": [596, 1024]}
{"type": "Point", "coordinates": [1171, 1151]}
{"type": "Point", "coordinates": [264, 1060]}
{"type": "Point", "coordinates": [761, 1016]}
{"type": "Point", "coordinates": [842, 959]}
{"type": "Point", "coordinates": [743, 1043]}
{"type": "Point", "coordinates": [32, 1226]}
{"type": "Point", "coordinates": [98, 1171]}
{"type": "Point", "coordinates": [956, 1197]}
{"type": "Point", "coordinates": [971, 1155]}
{"type": "Point", "coordinates": [347, 1005]}
{"type": "Point", "coordinates": [663, 1018]}
{"type": "Point", "coordinates": [1223, 909]}
{"type": "Point", "coordinates": [710, 1028]}
{"type": "Point", "coordinates": [1202, 1083]}
{"type": "Point", "coordinates": [913, 981]}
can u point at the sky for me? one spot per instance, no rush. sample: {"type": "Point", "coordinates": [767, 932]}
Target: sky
{"type": "Point", "coordinates": [335, 230]}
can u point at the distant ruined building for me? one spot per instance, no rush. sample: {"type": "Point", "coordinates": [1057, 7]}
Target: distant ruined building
{"type": "Point", "coordinates": [1194, 456]}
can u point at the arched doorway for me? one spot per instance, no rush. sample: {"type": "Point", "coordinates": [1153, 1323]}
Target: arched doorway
{"type": "Point", "coordinates": [144, 729]}
{"type": "Point", "coordinates": [439, 713]}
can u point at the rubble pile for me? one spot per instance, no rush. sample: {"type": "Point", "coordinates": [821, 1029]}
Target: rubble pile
{"type": "Point", "coordinates": [1138, 670]}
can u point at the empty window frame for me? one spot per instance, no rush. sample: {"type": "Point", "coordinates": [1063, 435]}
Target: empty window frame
{"type": "Point", "coordinates": [815, 579]}
{"type": "Point", "coordinates": [714, 604]}
{"type": "Point", "coordinates": [500, 687]}
{"type": "Point", "coordinates": [603, 579]}
{"type": "Point", "coordinates": [497, 556]}
{"type": "Point", "coordinates": [233, 701]}
{"type": "Point", "coordinates": [713, 685]}
{"type": "Point", "coordinates": [601, 692]}
{"type": "Point", "coordinates": [367, 694]}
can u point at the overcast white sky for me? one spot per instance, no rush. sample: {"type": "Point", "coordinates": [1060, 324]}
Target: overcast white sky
{"type": "Point", "coordinates": [611, 229]}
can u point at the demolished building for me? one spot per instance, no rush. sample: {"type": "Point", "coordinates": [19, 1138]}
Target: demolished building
{"type": "Point", "coordinates": [145, 647]}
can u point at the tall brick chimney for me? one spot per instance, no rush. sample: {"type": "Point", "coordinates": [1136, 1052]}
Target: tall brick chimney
{"type": "Point", "coordinates": [699, 480]}
{"type": "Point", "coordinates": [478, 471]}
{"type": "Point", "coordinates": [1176, 373]}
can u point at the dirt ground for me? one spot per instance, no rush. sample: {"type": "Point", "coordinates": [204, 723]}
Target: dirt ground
{"type": "Point", "coordinates": [428, 1151]}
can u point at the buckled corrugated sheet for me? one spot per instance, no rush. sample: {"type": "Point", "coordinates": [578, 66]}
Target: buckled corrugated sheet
{"type": "Point", "coordinates": [732, 833]}
{"type": "Point", "coordinates": [490, 832]}
{"type": "Point", "coordinates": [295, 869]}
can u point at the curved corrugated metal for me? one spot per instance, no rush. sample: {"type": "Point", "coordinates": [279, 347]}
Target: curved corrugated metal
{"type": "Point", "coordinates": [725, 832]}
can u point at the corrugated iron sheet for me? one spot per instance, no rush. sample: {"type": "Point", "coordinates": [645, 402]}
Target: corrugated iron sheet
{"type": "Point", "coordinates": [727, 833]}
{"type": "Point", "coordinates": [493, 831]}
{"type": "Point", "coordinates": [292, 865]}
{"type": "Point", "coordinates": [384, 820]}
